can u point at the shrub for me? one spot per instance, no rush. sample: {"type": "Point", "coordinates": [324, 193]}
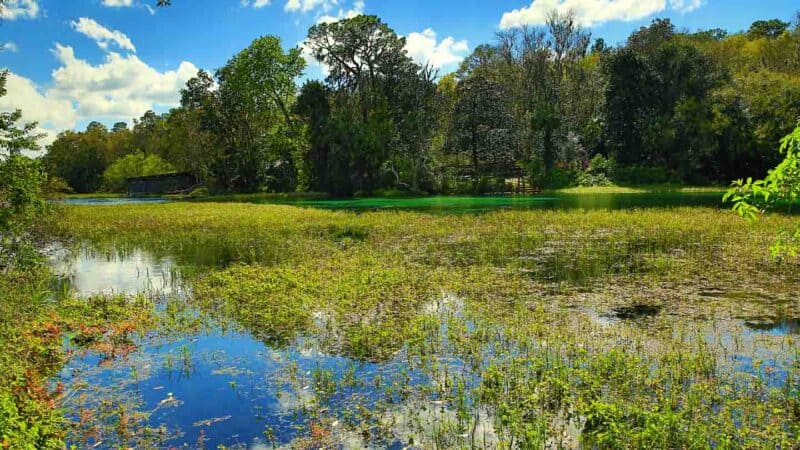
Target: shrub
{"type": "Point", "coordinates": [560, 178]}
{"type": "Point", "coordinates": [133, 165]}
{"type": "Point", "coordinates": [599, 172]}
{"type": "Point", "coordinates": [22, 206]}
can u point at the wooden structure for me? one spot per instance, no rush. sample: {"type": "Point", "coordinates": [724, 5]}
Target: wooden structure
{"type": "Point", "coordinates": [168, 183]}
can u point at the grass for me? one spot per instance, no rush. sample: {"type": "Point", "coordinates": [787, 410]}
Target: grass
{"type": "Point", "coordinates": [598, 329]}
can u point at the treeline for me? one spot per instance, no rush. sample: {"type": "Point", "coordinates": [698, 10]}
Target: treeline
{"type": "Point", "coordinates": [548, 105]}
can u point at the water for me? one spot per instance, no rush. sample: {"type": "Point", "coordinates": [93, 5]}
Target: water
{"type": "Point", "coordinates": [219, 385]}
{"type": "Point", "coordinates": [90, 272]}
{"type": "Point", "coordinates": [466, 204]}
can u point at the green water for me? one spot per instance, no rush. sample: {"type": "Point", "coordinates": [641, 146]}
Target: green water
{"type": "Point", "coordinates": [453, 204]}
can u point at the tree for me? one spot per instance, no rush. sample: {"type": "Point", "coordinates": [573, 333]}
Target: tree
{"type": "Point", "coordinates": [198, 92]}
{"type": "Point", "coordinates": [482, 127]}
{"type": "Point", "coordinates": [374, 105]}
{"type": "Point", "coordinates": [767, 28]}
{"type": "Point", "coordinates": [79, 158]}
{"type": "Point", "coordinates": [22, 182]}
{"type": "Point", "coordinates": [119, 127]}
{"type": "Point", "coordinates": [314, 108]}
{"type": "Point", "coordinates": [258, 131]}
{"type": "Point", "coordinates": [136, 164]}
{"type": "Point", "coordinates": [416, 100]}
{"type": "Point", "coordinates": [659, 102]}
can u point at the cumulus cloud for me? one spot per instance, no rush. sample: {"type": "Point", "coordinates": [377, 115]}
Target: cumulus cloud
{"type": "Point", "coordinates": [8, 47]}
{"type": "Point", "coordinates": [19, 9]}
{"type": "Point", "coordinates": [119, 88]}
{"type": "Point", "coordinates": [53, 114]}
{"type": "Point", "coordinates": [118, 3]}
{"type": "Point", "coordinates": [102, 35]}
{"type": "Point", "coordinates": [590, 12]}
{"type": "Point", "coordinates": [424, 49]}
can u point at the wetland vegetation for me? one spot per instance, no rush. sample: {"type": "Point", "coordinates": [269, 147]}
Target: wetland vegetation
{"type": "Point", "coordinates": [277, 325]}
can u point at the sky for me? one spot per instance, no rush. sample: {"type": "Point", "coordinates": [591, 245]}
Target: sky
{"type": "Point", "coordinates": [76, 61]}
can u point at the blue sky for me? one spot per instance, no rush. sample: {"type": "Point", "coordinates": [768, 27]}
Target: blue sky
{"type": "Point", "coordinates": [73, 61]}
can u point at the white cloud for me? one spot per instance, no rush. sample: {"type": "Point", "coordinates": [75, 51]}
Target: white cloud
{"type": "Point", "coordinates": [686, 5]}
{"type": "Point", "coordinates": [19, 9]}
{"type": "Point", "coordinates": [120, 88]}
{"type": "Point", "coordinates": [8, 47]}
{"type": "Point", "coordinates": [309, 5]}
{"type": "Point", "coordinates": [356, 10]}
{"type": "Point", "coordinates": [118, 3]}
{"type": "Point", "coordinates": [52, 114]}
{"type": "Point", "coordinates": [256, 3]}
{"type": "Point", "coordinates": [102, 35]}
{"type": "Point", "coordinates": [590, 12]}
{"type": "Point", "coordinates": [424, 49]}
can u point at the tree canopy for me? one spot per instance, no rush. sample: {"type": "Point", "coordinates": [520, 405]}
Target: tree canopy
{"type": "Point", "coordinates": [536, 103]}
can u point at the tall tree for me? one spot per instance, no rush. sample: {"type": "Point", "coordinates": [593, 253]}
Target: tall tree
{"type": "Point", "coordinates": [482, 126]}
{"type": "Point", "coordinates": [314, 108]}
{"type": "Point", "coordinates": [256, 91]}
{"type": "Point", "coordinates": [373, 103]}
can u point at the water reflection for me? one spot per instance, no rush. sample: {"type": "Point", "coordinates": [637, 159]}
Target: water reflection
{"type": "Point", "coordinates": [775, 326]}
{"type": "Point", "coordinates": [230, 388]}
{"type": "Point", "coordinates": [87, 272]}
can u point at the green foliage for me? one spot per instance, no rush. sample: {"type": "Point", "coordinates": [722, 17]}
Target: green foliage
{"type": "Point", "coordinates": [599, 172]}
{"type": "Point", "coordinates": [258, 133]}
{"type": "Point", "coordinates": [133, 165]}
{"type": "Point", "coordinates": [80, 158]}
{"type": "Point", "coordinates": [767, 28]}
{"type": "Point", "coordinates": [638, 175]}
{"type": "Point", "coordinates": [559, 178]}
{"type": "Point", "coordinates": [752, 198]}
{"type": "Point", "coordinates": [22, 207]}
{"type": "Point", "coordinates": [482, 127]}
{"type": "Point", "coordinates": [374, 128]}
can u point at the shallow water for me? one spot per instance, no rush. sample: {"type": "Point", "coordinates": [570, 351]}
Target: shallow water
{"type": "Point", "coordinates": [221, 386]}
{"type": "Point", "coordinates": [90, 272]}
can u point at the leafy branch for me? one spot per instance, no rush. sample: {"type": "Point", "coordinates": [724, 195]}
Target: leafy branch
{"type": "Point", "coordinates": [753, 198]}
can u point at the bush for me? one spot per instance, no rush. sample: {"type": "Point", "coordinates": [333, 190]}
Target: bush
{"type": "Point", "coordinates": [560, 178]}
{"type": "Point", "coordinates": [599, 172]}
{"type": "Point", "coordinates": [22, 206]}
{"type": "Point", "coordinates": [133, 165]}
